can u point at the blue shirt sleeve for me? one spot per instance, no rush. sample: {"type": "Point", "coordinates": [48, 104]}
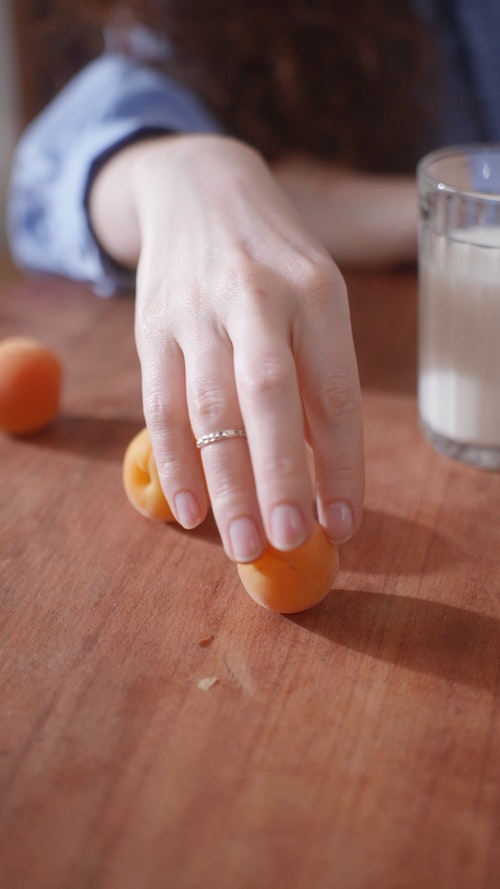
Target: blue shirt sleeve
{"type": "Point", "coordinates": [113, 101]}
{"type": "Point", "coordinates": [467, 36]}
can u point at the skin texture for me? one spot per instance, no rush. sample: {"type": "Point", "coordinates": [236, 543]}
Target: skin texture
{"type": "Point", "coordinates": [293, 581]}
{"type": "Point", "coordinates": [253, 331]}
{"type": "Point", "coordinates": [30, 385]}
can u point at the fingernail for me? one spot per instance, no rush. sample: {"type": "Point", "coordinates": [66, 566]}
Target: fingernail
{"type": "Point", "coordinates": [187, 509]}
{"type": "Point", "coordinates": [244, 538]}
{"type": "Point", "coordinates": [338, 521]}
{"type": "Point", "coordinates": [288, 530]}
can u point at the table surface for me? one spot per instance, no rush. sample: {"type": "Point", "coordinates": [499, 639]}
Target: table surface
{"type": "Point", "coordinates": [355, 746]}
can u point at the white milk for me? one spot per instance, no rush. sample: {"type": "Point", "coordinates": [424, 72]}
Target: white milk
{"type": "Point", "coordinates": [459, 374]}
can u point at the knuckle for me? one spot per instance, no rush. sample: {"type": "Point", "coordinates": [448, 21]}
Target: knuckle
{"type": "Point", "coordinates": [338, 395]}
{"type": "Point", "coordinates": [152, 328]}
{"type": "Point", "coordinates": [318, 274]}
{"type": "Point", "coordinates": [279, 466]}
{"type": "Point", "coordinates": [157, 409]}
{"type": "Point", "coordinates": [209, 401]}
{"type": "Point", "coordinates": [238, 273]}
{"type": "Point", "coordinates": [344, 473]}
{"type": "Point", "coordinates": [267, 375]}
{"type": "Point", "coordinates": [226, 491]}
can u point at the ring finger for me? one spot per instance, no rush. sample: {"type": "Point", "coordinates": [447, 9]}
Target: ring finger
{"type": "Point", "coordinates": [213, 408]}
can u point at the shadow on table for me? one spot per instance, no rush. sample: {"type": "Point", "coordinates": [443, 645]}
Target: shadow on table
{"type": "Point", "coordinates": [389, 545]}
{"type": "Point", "coordinates": [102, 438]}
{"type": "Point", "coordinates": [385, 545]}
{"type": "Point", "coordinates": [105, 439]}
{"type": "Point", "coordinates": [207, 531]}
{"type": "Point", "coordinates": [451, 643]}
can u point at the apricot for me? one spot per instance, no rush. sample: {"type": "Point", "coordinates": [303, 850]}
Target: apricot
{"type": "Point", "coordinates": [293, 581]}
{"type": "Point", "coordinates": [141, 480]}
{"type": "Point", "coordinates": [30, 385]}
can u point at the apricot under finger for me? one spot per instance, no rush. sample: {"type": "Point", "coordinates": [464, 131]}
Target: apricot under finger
{"type": "Point", "coordinates": [30, 385]}
{"type": "Point", "coordinates": [141, 480]}
{"type": "Point", "coordinates": [293, 581]}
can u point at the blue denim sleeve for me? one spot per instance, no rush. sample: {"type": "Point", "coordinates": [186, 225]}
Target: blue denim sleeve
{"type": "Point", "coordinates": [113, 101]}
{"type": "Point", "coordinates": [467, 35]}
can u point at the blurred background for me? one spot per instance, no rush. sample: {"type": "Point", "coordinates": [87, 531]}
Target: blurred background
{"type": "Point", "coordinates": [42, 43]}
{"type": "Point", "coordinates": [10, 102]}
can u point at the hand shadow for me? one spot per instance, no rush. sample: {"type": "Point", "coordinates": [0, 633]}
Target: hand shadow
{"type": "Point", "coordinates": [105, 439]}
{"type": "Point", "coordinates": [207, 531]}
{"type": "Point", "coordinates": [418, 550]}
{"type": "Point", "coordinates": [102, 438]}
{"type": "Point", "coordinates": [454, 644]}
{"type": "Point", "coordinates": [388, 545]}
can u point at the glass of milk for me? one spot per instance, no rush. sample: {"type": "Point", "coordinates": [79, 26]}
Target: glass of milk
{"type": "Point", "coordinates": [459, 302]}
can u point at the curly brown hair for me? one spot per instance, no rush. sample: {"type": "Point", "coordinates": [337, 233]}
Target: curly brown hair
{"type": "Point", "coordinates": [330, 78]}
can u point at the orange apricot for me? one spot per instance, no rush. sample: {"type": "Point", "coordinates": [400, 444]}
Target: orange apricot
{"type": "Point", "coordinates": [141, 480]}
{"type": "Point", "coordinates": [293, 581]}
{"type": "Point", "coordinates": [30, 385]}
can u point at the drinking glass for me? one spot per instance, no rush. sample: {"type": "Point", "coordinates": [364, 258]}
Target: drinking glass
{"type": "Point", "coordinates": [459, 302]}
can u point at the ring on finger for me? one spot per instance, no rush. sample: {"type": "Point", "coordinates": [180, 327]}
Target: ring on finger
{"type": "Point", "coordinates": [220, 435]}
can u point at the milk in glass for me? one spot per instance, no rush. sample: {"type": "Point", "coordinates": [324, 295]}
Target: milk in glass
{"type": "Point", "coordinates": [459, 337]}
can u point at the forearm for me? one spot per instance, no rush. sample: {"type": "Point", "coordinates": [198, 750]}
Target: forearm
{"type": "Point", "coordinates": [113, 208]}
{"type": "Point", "coordinates": [363, 220]}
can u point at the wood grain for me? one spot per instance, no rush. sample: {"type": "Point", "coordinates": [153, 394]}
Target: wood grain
{"type": "Point", "coordinates": [356, 746]}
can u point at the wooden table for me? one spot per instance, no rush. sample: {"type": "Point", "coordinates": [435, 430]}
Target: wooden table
{"type": "Point", "coordinates": [356, 746]}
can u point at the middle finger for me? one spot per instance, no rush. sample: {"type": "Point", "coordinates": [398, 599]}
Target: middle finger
{"type": "Point", "coordinates": [270, 400]}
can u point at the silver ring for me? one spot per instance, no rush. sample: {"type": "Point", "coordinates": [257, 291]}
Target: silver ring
{"type": "Point", "coordinates": [212, 437]}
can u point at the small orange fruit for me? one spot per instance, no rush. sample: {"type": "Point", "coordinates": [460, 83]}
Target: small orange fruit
{"type": "Point", "coordinates": [293, 581]}
{"type": "Point", "coordinates": [141, 480]}
{"type": "Point", "coordinates": [30, 385]}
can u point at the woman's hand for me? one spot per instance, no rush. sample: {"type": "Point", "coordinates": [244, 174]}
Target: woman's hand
{"type": "Point", "coordinates": [242, 322]}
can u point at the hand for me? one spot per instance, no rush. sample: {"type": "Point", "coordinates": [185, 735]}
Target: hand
{"type": "Point", "coordinates": [242, 321]}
